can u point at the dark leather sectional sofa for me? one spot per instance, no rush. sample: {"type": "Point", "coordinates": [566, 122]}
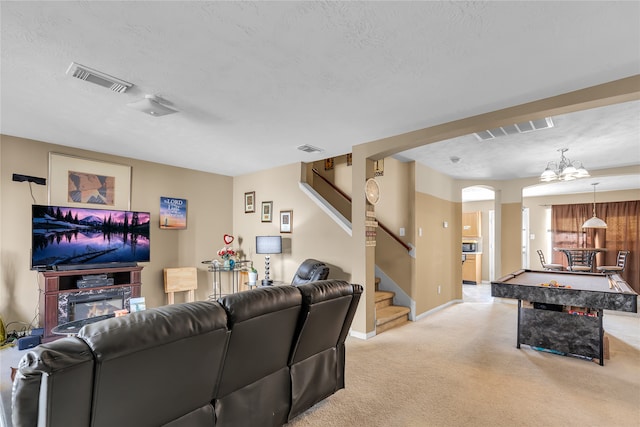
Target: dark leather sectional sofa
{"type": "Point", "coordinates": [255, 358]}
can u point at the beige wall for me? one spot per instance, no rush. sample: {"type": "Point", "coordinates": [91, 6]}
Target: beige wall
{"type": "Point", "coordinates": [395, 188]}
{"type": "Point", "coordinates": [314, 234]}
{"type": "Point", "coordinates": [511, 240]}
{"type": "Point", "coordinates": [209, 217]}
{"type": "Point", "coordinates": [438, 262]}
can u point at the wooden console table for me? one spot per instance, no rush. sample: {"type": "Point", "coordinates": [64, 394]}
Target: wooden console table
{"type": "Point", "coordinates": [54, 284]}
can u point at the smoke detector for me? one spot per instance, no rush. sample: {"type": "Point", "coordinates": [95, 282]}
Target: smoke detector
{"type": "Point", "coordinates": [152, 105]}
{"type": "Point", "coordinates": [97, 77]}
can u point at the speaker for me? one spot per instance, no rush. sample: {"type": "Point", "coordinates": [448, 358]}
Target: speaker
{"type": "Point", "coordinates": [28, 342]}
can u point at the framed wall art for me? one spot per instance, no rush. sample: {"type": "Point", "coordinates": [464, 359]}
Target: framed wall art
{"type": "Point", "coordinates": [267, 209]}
{"type": "Point", "coordinates": [286, 221]}
{"type": "Point", "coordinates": [74, 181]}
{"type": "Point", "coordinates": [173, 213]}
{"type": "Point", "coordinates": [249, 202]}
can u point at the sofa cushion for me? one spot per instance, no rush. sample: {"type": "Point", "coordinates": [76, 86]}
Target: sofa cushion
{"type": "Point", "coordinates": [324, 308]}
{"type": "Point", "coordinates": [256, 374]}
{"type": "Point", "coordinates": [157, 365]}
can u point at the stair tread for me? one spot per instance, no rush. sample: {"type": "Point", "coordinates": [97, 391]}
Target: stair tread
{"type": "Point", "coordinates": [382, 295]}
{"type": "Point", "coordinates": [390, 312]}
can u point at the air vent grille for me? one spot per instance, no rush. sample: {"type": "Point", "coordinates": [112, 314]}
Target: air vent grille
{"type": "Point", "coordinates": [524, 127]}
{"type": "Point", "coordinates": [99, 78]}
{"type": "Point", "coordinates": [310, 149]}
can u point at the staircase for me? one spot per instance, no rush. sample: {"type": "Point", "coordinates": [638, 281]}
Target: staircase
{"type": "Point", "coordinates": [388, 315]}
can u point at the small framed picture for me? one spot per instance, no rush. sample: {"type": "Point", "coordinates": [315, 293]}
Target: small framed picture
{"type": "Point", "coordinates": [249, 202]}
{"type": "Point", "coordinates": [173, 213]}
{"type": "Point", "coordinates": [286, 221]}
{"type": "Point", "coordinates": [267, 209]}
{"type": "Point", "coordinates": [328, 164]}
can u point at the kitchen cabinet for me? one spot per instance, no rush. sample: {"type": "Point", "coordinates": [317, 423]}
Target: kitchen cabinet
{"type": "Point", "coordinates": [472, 269]}
{"type": "Point", "coordinates": [471, 224]}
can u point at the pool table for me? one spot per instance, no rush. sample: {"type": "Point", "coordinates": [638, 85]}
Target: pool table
{"type": "Point", "coordinates": [563, 310]}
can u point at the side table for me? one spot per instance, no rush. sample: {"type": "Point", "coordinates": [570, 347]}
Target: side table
{"type": "Point", "coordinates": [72, 328]}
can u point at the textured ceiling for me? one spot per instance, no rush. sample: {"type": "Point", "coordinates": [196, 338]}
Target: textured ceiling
{"type": "Point", "coordinates": [254, 80]}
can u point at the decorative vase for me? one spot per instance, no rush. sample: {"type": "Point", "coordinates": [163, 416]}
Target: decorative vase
{"type": "Point", "coordinates": [226, 264]}
{"type": "Point", "coordinates": [253, 278]}
{"type": "Point", "coordinates": [232, 264]}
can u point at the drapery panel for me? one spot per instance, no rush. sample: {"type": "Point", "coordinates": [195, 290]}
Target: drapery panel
{"type": "Point", "coordinates": [623, 228]}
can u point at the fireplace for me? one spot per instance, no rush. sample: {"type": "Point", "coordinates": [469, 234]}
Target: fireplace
{"type": "Point", "coordinates": [91, 303]}
{"type": "Point", "coordinates": [85, 306]}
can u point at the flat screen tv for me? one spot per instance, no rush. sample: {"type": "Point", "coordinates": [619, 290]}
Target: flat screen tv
{"type": "Point", "coordinates": [70, 237]}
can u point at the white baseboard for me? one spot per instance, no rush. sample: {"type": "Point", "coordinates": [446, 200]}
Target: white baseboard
{"type": "Point", "coordinates": [438, 308]}
{"type": "Point", "coordinates": [361, 335]}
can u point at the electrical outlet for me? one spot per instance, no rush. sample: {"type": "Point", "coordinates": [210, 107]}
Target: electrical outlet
{"type": "Point", "coordinates": [439, 289]}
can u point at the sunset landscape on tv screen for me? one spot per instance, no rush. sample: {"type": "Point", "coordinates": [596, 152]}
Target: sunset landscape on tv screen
{"type": "Point", "coordinates": [83, 236]}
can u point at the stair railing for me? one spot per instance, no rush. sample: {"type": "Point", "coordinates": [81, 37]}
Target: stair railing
{"type": "Point", "coordinates": [346, 196]}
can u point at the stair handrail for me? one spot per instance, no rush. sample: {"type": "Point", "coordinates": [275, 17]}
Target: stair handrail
{"type": "Point", "coordinates": [346, 196]}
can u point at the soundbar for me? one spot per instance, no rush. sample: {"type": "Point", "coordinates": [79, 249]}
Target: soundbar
{"type": "Point", "coordinates": [69, 267]}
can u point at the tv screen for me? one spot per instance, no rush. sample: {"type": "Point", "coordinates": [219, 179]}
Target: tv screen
{"type": "Point", "coordinates": [70, 236]}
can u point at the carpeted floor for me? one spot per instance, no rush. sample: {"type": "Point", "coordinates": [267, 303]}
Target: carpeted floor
{"type": "Point", "coordinates": [460, 367]}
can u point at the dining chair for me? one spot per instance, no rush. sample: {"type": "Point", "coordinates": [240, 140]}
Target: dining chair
{"type": "Point", "coordinates": [620, 264]}
{"type": "Point", "coordinates": [546, 265]}
{"type": "Point", "coordinates": [581, 260]}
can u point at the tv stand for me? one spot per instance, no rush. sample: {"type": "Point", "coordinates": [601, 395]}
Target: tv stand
{"type": "Point", "coordinates": [56, 287]}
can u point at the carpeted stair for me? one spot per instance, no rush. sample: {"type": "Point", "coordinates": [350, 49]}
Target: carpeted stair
{"type": "Point", "coordinates": [388, 315]}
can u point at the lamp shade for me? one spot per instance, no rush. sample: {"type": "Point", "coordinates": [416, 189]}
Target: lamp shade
{"type": "Point", "coordinates": [268, 244]}
{"type": "Point", "coordinates": [594, 222]}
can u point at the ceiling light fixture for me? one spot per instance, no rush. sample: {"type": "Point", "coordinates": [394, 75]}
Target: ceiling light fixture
{"type": "Point", "coordinates": [310, 149]}
{"type": "Point", "coordinates": [151, 104]}
{"type": "Point", "coordinates": [594, 221]}
{"type": "Point", "coordinates": [565, 170]}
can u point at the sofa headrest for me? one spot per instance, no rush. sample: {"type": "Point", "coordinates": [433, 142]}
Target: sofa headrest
{"type": "Point", "coordinates": [323, 290]}
{"type": "Point", "coordinates": [246, 305]}
{"type": "Point", "coordinates": [137, 331]}
{"type": "Point", "coordinates": [310, 270]}
{"type": "Point", "coordinates": [307, 268]}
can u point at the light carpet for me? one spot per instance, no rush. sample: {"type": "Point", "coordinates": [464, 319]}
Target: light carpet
{"type": "Point", "coordinates": [460, 367]}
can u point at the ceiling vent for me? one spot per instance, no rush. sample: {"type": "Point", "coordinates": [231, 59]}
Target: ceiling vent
{"type": "Point", "coordinates": [523, 127]}
{"type": "Point", "coordinates": [310, 149]}
{"type": "Point", "coordinates": [101, 79]}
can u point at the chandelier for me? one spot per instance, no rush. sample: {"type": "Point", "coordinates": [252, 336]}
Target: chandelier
{"type": "Point", "coordinates": [564, 170]}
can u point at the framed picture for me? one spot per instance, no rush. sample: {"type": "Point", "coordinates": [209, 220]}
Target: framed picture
{"type": "Point", "coordinates": [286, 221]}
{"type": "Point", "coordinates": [173, 213]}
{"type": "Point", "coordinates": [74, 181]}
{"type": "Point", "coordinates": [328, 164]}
{"type": "Point", "coordinates": [267, 209]}
{"type": "Point", "coordinates": [249, 202]}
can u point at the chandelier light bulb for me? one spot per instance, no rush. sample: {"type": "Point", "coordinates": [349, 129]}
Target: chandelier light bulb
{"type": "Point", "coordinates": [564, 170]}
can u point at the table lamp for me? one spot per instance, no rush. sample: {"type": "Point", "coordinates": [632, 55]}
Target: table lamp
{"type": "Point", "coordinates": [268, 245]}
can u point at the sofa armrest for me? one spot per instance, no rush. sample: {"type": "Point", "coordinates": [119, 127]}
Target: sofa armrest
{"type": "Point", "coordinates": [53, 385]}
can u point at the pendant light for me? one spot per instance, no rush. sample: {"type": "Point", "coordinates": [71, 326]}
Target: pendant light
{"type": "Point", "coordinates": [594, 221]}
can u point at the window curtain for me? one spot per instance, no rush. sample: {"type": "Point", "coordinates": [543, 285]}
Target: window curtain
{"type": "Point", "coordinates": [623, 227]}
